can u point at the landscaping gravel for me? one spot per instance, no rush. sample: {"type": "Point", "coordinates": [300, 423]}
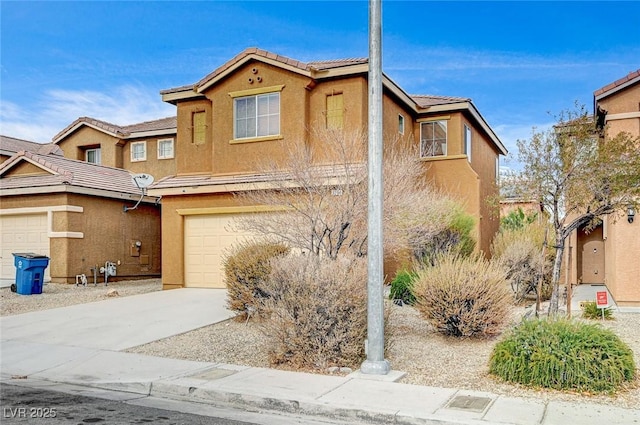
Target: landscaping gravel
{"type": "Point", "coordinates": [428, 358]}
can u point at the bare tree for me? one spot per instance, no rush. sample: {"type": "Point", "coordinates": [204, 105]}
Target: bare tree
{"type": "Point", "coordinates": [323, 197]}
{"type": "Point", "coordinates": [578, 177]}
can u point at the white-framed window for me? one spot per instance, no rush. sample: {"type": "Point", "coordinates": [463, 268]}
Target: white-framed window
{"type": "Point", "coordinates": [467, 142]}
{"type": "Point", "coordinates": [433, 138]}
{"type": "Point", "coordinates": [256, 116]}
{"type": "Point", "coordinates": [400, 123]}
{"type": "Point", "coordinates": [165, 148]}
{"type": "Point", "coordinates": [138, 151]}
{"type": "Point", "coordinates": [498, 169]}
{"type": "Point", "coordinates": [93, 156]}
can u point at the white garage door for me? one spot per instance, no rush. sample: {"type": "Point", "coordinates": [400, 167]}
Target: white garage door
{"type": "Point", "coordinates": [206, 239]}
{"type": "Point", "coordinates": [20, 234]}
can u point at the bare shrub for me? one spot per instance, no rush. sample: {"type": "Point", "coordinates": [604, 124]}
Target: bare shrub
{"type": "Point", "coordinates": [325, 194]}
{"type": "Point", "coordinates": [520, 251]}
{"type": "Point", "coordinates": [317, 312]}
{"type": "Point", "coordinates": [247, 268]}
{"type": "Point", "coordinates": [463, 297]}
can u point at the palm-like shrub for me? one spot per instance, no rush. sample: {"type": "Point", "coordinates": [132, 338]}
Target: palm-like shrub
{"type": "Point", "coordinates": [463, 296]}
{"type": "Point", "coordinates": [563, 355]}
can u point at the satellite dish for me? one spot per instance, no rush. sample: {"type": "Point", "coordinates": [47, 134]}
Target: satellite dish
{"type": "Point", "coordinates": [142, 180]}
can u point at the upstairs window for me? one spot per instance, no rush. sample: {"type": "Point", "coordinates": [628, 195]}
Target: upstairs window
{"type": "Point", "coordinates": [165, 148]}
{"type": "Point", "coordinates": [433, 139]}
{"type": "Point", "coordinates": [335, 111]}
{"type": "Point", "coordinates": [467, 142]}
{"type": "Point", "coordinates": [93, 156]}
{"type": "Point", "coordinates": [256, 116]}
{"type": "Point", "coordinates": [138, 151]}
{"type": "Point", "coordinates": [199, 127]}
{"type": "Point", "coordinates": [400, 124]}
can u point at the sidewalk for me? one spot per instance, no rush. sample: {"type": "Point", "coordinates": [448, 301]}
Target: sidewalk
{"type": "Point", "coordinates": [80, 345]}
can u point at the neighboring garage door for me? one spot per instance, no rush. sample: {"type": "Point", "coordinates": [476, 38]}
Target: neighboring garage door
{"type": "Point", "coordinates": [20, 234]}
{"type": "Point", "coordinates": [207, 237]}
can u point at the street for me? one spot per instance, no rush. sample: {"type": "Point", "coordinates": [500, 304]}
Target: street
{"type": "Point", "coordinates": [25, 405]}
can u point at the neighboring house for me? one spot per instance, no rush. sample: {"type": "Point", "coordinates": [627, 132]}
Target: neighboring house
{"type": "Point", "coordinates": [147, 147]}
{"type": "Point", "coordinates": [73, 212]}
{"type": "Point", "coordinates": [10, 146]}
{"type": "Point", "coordinates": [609, 254]}
{"type": "Point", "coordinates": [252, 105]}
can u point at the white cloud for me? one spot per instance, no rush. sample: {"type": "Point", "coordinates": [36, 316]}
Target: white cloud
{"type": "Point", "coordinates": [58, 108]}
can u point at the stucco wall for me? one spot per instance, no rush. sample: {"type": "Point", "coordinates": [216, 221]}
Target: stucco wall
{"type": "Point", "coordinates": [75, 144]}
{"type": "Point", "coordinates": [158, 168]}
{"type": "Point", "coordinates": [108, 231]}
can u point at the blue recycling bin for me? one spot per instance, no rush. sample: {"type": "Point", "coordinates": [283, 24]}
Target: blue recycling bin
{"type": "Point", "coordinates": [29, 272]}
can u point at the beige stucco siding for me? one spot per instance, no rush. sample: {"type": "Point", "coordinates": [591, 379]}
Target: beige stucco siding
{"type": "Point", "coordinates": [75, 145]}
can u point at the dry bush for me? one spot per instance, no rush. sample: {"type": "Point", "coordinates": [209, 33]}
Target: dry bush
{"type": "Point", "coordinates": [463, 297]}
{"type": "Point", "coordinates": [246, 268]}
{"type": "Point", "coordinates": [317, 312]}
{"type": "Point", "coordinates": [520, 251]}
{"type": "Point", "coordinates": [325, 194]}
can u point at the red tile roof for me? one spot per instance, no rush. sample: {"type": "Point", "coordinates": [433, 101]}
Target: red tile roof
{"type": "Point", "coordinates": [11, 145]}
{"type": "Point", "coordinates": [65, 171]}
{"type": "Point", "coordinates": [622, 81]}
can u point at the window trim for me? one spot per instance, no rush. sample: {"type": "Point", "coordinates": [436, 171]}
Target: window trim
{"type": "Point", "coordinates": [401, 124]}
{"type": "Point", "coordinates": [256, 94]}
{"type": "Point", "coordinates": [168, 139]}
{"type": "Point", "coordinates": [86, 155]}
{"type": "Point", "coordinates": [466, 142]}
{"type": "Point", "coordinates": [446, 142]}
{"type": "Point", "coordinates": [144, 151]}
{"type": "Point", "coordinates": [331, 119]}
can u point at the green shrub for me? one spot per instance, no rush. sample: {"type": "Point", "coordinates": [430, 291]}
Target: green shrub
{"type": "Point", "coordinates": [563, 355]}
{"type": "Point", "coordinates": [401, 288]}
{"type": "Point", "coordinates": [517, 219]}
{"type": "Point", "coordinates": [317, 316]}
{"type": "Point", "coordinates": [463, 297]}
{"type": "Point", "coordinates": [590, 310]}
{"type": "Point", "coordinates": [246, 269]}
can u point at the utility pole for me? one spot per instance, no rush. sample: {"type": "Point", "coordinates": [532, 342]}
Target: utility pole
{"type": "Point", "coordinates": [375, 364]}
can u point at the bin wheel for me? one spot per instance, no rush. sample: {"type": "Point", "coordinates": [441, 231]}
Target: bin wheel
{"type": "Point", "coordinates": [14, 288]}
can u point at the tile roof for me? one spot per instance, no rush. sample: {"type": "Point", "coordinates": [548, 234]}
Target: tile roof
{"type": "Point", "coordinates": [321, 172]}
{"type": "Point", "coordinates": [316, 65]}
{"type": "Point", "coordinates": [65, 171]}
{"type": "Point", "coordinates": [123, 132]}
{"type": "Point", "coordinates": [424, 101]}
{"type": "Point", "coordinates": [11, 145]}
{"type": "Point", "coordinates": [622, 81]}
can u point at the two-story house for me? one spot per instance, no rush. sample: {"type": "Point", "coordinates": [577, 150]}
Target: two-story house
{"type": "Point", "coordinates": [258, 101]}
{"type": "Point", "coordinates": [609, 253]}
{"type": "Point", "coordinates": [147, 147]}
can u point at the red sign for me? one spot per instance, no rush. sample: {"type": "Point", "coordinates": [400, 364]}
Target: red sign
{"type": "Point", "coordinates": [601, 299]}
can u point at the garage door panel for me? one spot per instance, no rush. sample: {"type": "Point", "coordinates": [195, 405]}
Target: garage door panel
{"type": "Point", "coordinates": [207, 239]}
{"type": "Point", "coordinates": [22, 233]}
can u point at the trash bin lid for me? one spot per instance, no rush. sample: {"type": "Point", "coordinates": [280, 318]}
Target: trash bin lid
{"type": "Point", "coordinates": [28, 255]}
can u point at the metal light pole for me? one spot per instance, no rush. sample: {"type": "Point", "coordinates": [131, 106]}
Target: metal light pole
{"type": "Point", "coordinates": [375, 364]}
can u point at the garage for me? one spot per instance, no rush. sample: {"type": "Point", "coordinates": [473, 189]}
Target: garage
{"type": "Point", "coordinates": [22, 233]}
{"type": "Point", "coordinates": [207, 237]}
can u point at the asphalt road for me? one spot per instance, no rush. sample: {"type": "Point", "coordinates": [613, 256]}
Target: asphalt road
{"type": "Point", "coordinates": [22, 404]}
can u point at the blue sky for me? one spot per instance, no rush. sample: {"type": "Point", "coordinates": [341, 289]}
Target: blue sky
{"type": "Point", "coordinates": [518, 61]}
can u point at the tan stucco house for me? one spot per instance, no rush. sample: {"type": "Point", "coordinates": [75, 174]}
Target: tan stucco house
{"type": "Point", "coordinates": [74, 212]}
{"type": "Point", "coordinates": [252, 105]}
{"type": "Point", "coordinates": [147, 147]}
{"type": "Point", "coordinates": [609, 254]}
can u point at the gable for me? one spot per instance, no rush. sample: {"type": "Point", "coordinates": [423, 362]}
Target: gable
{"type": "Point", "coordinates": [25, 169]}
